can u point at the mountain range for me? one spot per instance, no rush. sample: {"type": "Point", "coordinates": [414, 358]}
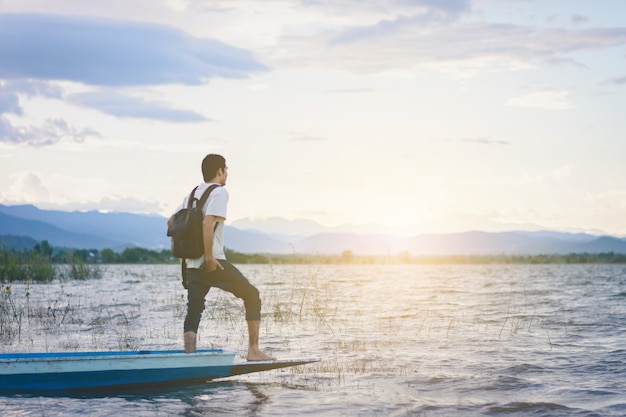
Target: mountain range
{"type": "Point", "coordinates": [116, 231]}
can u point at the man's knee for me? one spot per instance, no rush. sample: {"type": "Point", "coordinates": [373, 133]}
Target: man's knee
{"type": "Point", "coordinates": [252, 303]}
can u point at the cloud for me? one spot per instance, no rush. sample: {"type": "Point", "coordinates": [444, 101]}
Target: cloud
{"type": "Point", "coordinates": [120, 204]}
{"type": "Point", "coordinates": [107, 204]}
{"type": "Point", "coordinates": [486, 141]}
{"type": "Point", "coordinates": [428, 13]}
{"type": "Point", "coordinates": [449, 7]}
{"type": "Point", "coordinates": [108, 52]}
{"type": "Point", "coordinates": [10, 103]}
{"type": "Point", "coordinates": [578, 19]}
{"type": "Point", "coordinates": [51, 132]}
{"type": "Point", "coordinates": [28, 188]}
{"type": "Point", "coordinates": [121, 105]}
{"type": "Point", "coordinates": [110, 102]}
{"type": "Point", "coordinates": [9, 90]}
{"type": "Point", "coordinates": [615, 81]}
{"type": "Point", "coordinates": [470, 40]}
{"type": "Point", "coordinates": [428, 40]}
{"type": "Point", "coordinates": [302, 137]}
{"type": "Point", "coordinates": [32, 88]}
{"type": "Point", "coordinates": [550, 100]}
{"type": "Point", "coordinates": [351, 90]}
{"type": "Point", "coordinates": [562, 173]}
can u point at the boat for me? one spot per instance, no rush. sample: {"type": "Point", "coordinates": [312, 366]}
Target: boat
{"type": "Point", "coordinates": [81, 371]}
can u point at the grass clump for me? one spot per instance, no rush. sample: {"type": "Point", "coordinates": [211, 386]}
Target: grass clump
{"type": "Point", "coordinates": [10, 316]}
{"type": "Point", "coordinates": [78, 269]}
{"type": "Point", "coordinates": [37, 266]}
{"type": "Point", "coordinates": [27, 266]}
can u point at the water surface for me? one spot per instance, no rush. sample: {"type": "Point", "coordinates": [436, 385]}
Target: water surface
{"type": "Point", "coordinates": [395, 340]}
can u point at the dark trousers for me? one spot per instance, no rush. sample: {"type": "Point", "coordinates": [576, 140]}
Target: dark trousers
{"type": "Point", "coordinates": [199, 282]}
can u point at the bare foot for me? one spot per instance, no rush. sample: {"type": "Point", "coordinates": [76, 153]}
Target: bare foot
{"type": "Point", "coordinates": [258, 355]}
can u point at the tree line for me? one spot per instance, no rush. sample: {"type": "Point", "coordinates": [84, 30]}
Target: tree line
{"type": "Point", "coordinates": [137, 255]}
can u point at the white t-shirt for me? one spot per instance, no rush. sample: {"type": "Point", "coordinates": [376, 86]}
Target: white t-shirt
{"type": "Point", "coordinates": [216, 206]}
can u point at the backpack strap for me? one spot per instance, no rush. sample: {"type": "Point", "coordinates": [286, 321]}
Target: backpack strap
{"type": "Point", "coordinates": [205, 195]}
{"type": "Point", "coordinates": [192, 198]}
{"type": "Point", "coordinates": [200, 204]}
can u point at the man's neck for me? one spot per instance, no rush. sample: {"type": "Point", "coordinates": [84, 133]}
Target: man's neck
{"type": "Point", "coordinates": [215, 181]}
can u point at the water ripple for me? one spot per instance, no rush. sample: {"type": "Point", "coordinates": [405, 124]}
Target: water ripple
{"type": "Point", "coordinates": [396, 340]}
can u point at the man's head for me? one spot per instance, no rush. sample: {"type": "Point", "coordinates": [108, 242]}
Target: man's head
{"type": "Point", "coordinates": [214, 169]}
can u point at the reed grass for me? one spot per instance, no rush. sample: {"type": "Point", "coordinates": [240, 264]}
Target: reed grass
{"type": "Point", "coordinates": [292, 304]}
{"type": "Point", "coordinates": [77, 269]}
{"type": "Point", "coordinates": [297, 301]}
{"type": "Point", "coordinates": [32, 266]}
{"type": "Point", "coordinates": [38, 267]}
{"type": "Point", "coordinates": [10, 316]}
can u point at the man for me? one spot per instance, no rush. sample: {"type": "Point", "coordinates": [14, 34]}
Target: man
{"type": "Point", "coordinates": [212, 269]}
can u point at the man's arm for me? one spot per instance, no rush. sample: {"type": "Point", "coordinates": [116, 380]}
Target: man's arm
{"type": "Point", "coordinates": [208, 223]}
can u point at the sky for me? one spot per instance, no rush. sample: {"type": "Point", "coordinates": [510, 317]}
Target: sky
{"type": "Point", "coordinates": [396, 116]}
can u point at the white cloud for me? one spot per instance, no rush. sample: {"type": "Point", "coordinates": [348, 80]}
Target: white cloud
{"type": "Point", "coordinates": [419, 39]}
{"type": "Point", "coordinates": [38, 50]}
{"type": "Point", "coordinates": [302, 137]}
{"type": "Point", "coordinates": [578, 19]}
{"type": "Point", "coordinates": [27, 187]}
{"type": "Point", "coordinates": [99, 51]}
{"type": "Point", "coordinates": [319, 51]}
{"type": "Point", "coordinates": [549, 100]}
{"type": "Point", "coordinates": [442, 7]}
{"type": "Point", "coordinates": [115, 203]}
{"type": "Point", "coordinates": [486, 141]}
{"type": "Point", "coordinates": [10, 91]}
{"type": "Point", "coordinates": [562, 173]}
{"type": "Point", "coordinates": [51, 132]}
{"type": "Point", "coordinates": [121, 105]}
{"type": "Point", "coordinates": [615, 81]}
{"type": "Point", "coordinates": [107, 204]}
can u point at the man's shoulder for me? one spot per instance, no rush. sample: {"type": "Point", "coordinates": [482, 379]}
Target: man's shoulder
{"type": "Point", "coordinates": [219, 193]}
{"type": "Point", "coordinates": [205, 186]}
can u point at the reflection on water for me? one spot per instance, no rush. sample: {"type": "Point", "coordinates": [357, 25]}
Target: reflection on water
{"type": "Point", "coordinates": [395, 340]}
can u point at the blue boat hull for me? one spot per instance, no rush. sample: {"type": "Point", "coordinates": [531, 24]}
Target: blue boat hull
{"type": "Point", "coordinates": [80, 371]}
{"type": "Point", "coordinates": [108, 379]}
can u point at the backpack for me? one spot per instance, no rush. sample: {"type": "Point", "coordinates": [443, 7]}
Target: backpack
{"type": "Point", "coordinates": [185, 229]}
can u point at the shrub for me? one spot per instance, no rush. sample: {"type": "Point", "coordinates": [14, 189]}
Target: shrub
{"type": "Point", "coordinates": [26, 266]}
{"type": "Point", "coordinates": [78, 269]}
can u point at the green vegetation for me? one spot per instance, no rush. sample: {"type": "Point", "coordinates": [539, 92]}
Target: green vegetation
{"type": "Point", "coordinates": [347, 257]}
{"type": "Point", "coordinates": [27, 265]}
{"type": "Point", "coordinates": [43, 263]}
{"type": "Point", "coordinates": [571, 258]}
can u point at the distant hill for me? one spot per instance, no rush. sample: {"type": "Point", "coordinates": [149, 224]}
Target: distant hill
{"type": "Point", "coordinates": [17, 242]}
{"type": "Point", "coordinates": [38, 230]}
{"type": "Point", "coordinates": [469, 243]}
{"type": "Point", "coordinates": [101, 230]}
{"type": "Point", "coordinates": [95, 230]}
{"type": "Point", "coordinates": [277, 226]}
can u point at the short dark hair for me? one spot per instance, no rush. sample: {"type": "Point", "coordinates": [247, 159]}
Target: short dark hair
{"type": "Point", "coordinates": [211, 164]}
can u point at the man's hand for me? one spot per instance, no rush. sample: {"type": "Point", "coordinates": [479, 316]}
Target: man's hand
{"type": "Point", "coordinates": [211, 264]}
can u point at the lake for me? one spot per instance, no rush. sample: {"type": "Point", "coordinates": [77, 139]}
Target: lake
{"type": "Point", "coordinates": [395, 340]}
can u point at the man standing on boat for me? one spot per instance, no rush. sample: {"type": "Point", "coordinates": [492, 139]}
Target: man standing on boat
{"type": "Point", "coordinates": [212, 269]}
